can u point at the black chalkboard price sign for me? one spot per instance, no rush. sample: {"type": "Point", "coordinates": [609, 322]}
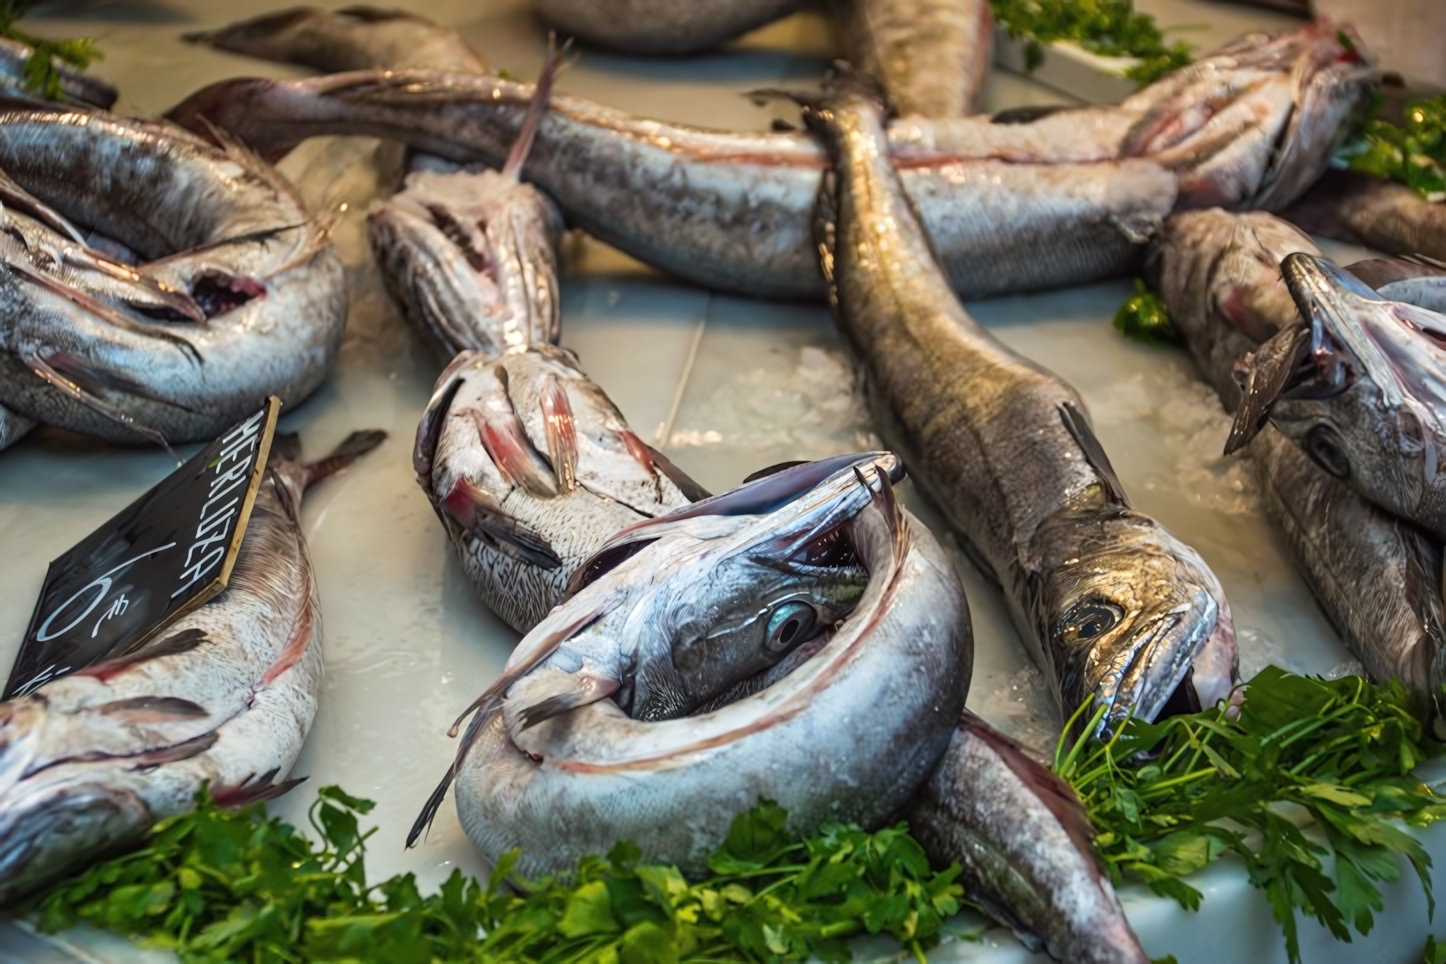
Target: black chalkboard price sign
{"type": "Point", "coordinates": [165, 554]}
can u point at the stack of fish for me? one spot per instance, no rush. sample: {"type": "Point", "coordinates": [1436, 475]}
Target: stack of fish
{"type": "Point", "coordinates": [801, 636]}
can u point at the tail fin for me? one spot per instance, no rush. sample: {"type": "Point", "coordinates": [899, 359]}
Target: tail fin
{"type": "Point", "coordinates": [353, 447]}
{"type": "Point", "coordinates": [555, 63]}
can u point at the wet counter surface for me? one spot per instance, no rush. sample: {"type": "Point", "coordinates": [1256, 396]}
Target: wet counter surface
{"type": "Point", "coordinates": [724, 385]}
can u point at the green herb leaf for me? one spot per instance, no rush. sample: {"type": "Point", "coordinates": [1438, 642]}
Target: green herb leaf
{"type": "Point", "coordinates": [1112, 28]}
{"type": "Point", "coordinates": [1144, 318]}
{"type": "Point", "coordinates": [1413, 153]}
{"type": "Point", "coordinates": [41, 75]}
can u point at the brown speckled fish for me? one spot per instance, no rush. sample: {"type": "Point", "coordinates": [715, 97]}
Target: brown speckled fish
{"type": "Point", "coordinates": [224, 696]}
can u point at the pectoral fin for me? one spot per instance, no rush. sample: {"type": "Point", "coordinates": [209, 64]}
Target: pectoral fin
{"type": "Point", "coordinates": [551, 694]}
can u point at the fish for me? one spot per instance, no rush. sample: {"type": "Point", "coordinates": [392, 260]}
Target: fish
{"type": "Point", "coordinates": [1025, 845]}
{"type": "Point", "coordinates": [222, 698]}
{"type": "Point", "coordinates": [1114, 608]}
{"type": "Point", "coordinates": [1373, 212]}
{"type": "Point", "coordinates": [233, 292]}
{"type": "Point", "coordinates": [530, 467]}
{"type": "Point", "coordinates": [12, 427]}
{"type": "Point", "coordinates": [660, 27]}
{"type": "Point", "coordinates": [76, 86]}
{"type": "Point", "coordinates": [932, 56]}
{"type": "Point", "coordinates": [1360, 386]}
{"type": "Point", "coordinates": [1378, 578]}
{"type": "Point", "coordinates": [854, 720]}
{"type": "Point", "coordinates": [470, 257]}
{"type": "Point", "coordinates": [356, 37]}
{"type": "Point", "coordinates": [1069, 198]}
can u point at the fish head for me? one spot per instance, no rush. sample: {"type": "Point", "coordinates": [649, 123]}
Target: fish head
{"type": "Point", "coordinates": [1254, 124]}
{"type": "Point", "coordinates": [470, 257]}
{"type": "Point", "coordinates": [1361, 388]}
{"type": "Point", "coordinates": [1135, 621]}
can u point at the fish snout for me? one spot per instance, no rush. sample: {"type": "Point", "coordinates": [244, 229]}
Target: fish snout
{"type": "Point", "coordinates": [1148, 673]}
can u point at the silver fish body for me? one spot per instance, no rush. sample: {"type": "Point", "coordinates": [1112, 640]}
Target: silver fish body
{"type": "Point", "coordinates": [660, 26]}
{"type": "Point", "coordinates": [1009, 207]}
{"type": "Point", "coordinates": [1376, 577]}
{"type": "Point", "coordinates": [225, 696]}
{"type": "Point", "coordinates": [76, 86]}
{"type": "Point", "coordinates": [1374, 212]}
{"type": "Point", "coordinates": [931, 56]}
{"type": "Point", "coordinates": [531, 467]}
{"type": "Point", "coordinates": [1113, 607]}
{"type": "Point", "coordinates": [220, 228]}
{"type": "Point", "coordinates": [853, 723]}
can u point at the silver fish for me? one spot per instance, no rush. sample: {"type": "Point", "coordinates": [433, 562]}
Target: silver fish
{"type": "Point", "coordinates": [90, 761]}
{"type": "Point", "coordinates": [854, 722]}
{"type": "Point", "coordinates": [1376, 577]}
{"type": "Point", "coordinates": [530, 468]}
{"type": "Point", "coordinates": [471, 257]}
{"type": "Point", "coordinates": [932, 56]}
{"type": "Point", "coordinates": [1008, 207]}
{"type": "Point", "coordinates": [660, 26]}
{"type": "Point", "coordinates": [76, 86]}
{"type": "Point", "coordinates": [1374, 212]}
{"type": "Point", "coordinates": [1113, 607]}
{"type": "Point", "coordinates": [1360, 387]}
{"type": "Point", "coordinates": [1026, 846]}
{"type": "Point", "coordinates": [216, 227]}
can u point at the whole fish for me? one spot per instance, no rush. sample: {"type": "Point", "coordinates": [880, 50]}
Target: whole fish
{"type": "Point", "coordinates": [76, 86]}
{"type": "Point", "coordinates": [1008, 207]}
{"type": "Point", "coordinates": [470, 257]}
{"type": "Point", "coordinates": [932, 56]}
{"type": "Point", "coordinates": [660, 26]}
{"type": "Point", "coordinates": [257, 297]}
{"type": "Point", "coordinates": [1026, 847]}
{"type": "Point", "coordinates": [351, 38]}
{"type": "Point", "coordinates": [1360, 386]}
{"type": "Point", "coordinates": [1374, 212]}
{"type": "Point", "coordinates": [854, 721]}
{"type": "Point", "coordinates": [530, 468]}
{"type": "Point", "coordinates": [89, 761]}
{"type": "Point", "coordinates": [1377, 577]}
{"type": "Point", "coordinates": [1113, 607]}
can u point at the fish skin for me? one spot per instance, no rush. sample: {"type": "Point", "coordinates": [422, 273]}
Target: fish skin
{"type": "Point", "coordinates": [1025, 844]}
{"type": "Point", "coordinates": [846, 733]}
{"type": "Point", "coordinates": [76, 85]}
{"type": "Point", "coordinates": [160, 380]}
{"type": "Point", "coordinates": [12, 427]}
{"type": "Point", "coordinates": [89, 761]}
{"type": "Point", "coordinates": [660, 26]}
{"type": "Point", "coordinates": [1372, 212]}
{"type": "Point", "coordinates": [1009, 207]}
{"type": "Point", "coordinates": [351, 38]}
{"type": "Point", "coordinates": [932, 56]}
{"type": "Point", "coordinates": [1003, 447]}
{"type": "Point", "coordinates": [618, 481]}
{"type": "Point", "coordinates": [1377, 578]}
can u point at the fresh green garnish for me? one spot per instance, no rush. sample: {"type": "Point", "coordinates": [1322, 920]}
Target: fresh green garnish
{"type": "Point", "coordinates": [227, 885]}
{"type": "Point", "coordinates": [1340, 751]}
{"type": "Point", "coordinates": [1112, 28]}
{"type": "Point", "coordinates": [41, 75]}
{"type": "Point", "coordinates": [1144, 317]}
{"type": "Point", "coordinates": [1435, 953]}
{"type": "Point", "coordinates": [1414, 154]}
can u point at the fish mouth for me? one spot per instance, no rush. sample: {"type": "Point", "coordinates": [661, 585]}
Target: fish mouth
{"type": "Point", "coordinates": [1153, 673]}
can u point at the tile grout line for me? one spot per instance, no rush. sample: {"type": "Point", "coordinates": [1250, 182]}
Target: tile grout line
{"type": "Point", "coordinates": [665, 430]}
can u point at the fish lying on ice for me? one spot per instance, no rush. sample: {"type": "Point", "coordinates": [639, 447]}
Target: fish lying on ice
{"type": "Point", "coordinates": [531, 467]}
{"type": "Point", "coordinates": [1008, 207]}
{"type": "Point", "coordinates": [1360, 386]}
{"type": "Point", "coordinates": [931, 56]}
{"type": "Point", "coordinates": [1377, 577]}
{"type": "Point", "coordinates": [1373, 212]}
{"type": "Point", "coordinates": [660, 26]}
{"type": "Point", "coordinates": [224, 697]}
{"type": "Point", "coordinates": [252, 297]}
{"type": "Point", "coordinates": [854, 720]}
{"type": "Point", "coordinates": [1113, 607]}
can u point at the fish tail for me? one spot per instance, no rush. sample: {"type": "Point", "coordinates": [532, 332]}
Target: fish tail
{"type": "Point", "coordinates": [556, 61]}
{"type": "Point", "coordinates": [353, 447]}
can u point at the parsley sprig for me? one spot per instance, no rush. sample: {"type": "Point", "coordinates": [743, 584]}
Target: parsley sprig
{"type": "Point", "coordinates": [1170, 798]}
{"type": "Point", "coordinates": [224, 885]}
{"type": "Point", "coordinates": [41, 75]}
{"type": "Point", "coordinates": [1413, 153]}
{"type": "Point", "coordinates": [1145, 318]}
{"type": "Point", "coordinates": [1112, 28]}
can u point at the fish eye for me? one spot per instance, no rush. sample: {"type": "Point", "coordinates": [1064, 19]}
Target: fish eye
{"type": "Point", "coordinates": [1088, 621]}
{"type": "Point", "coordinates": [790, 624]}
{"type": "Point", "coordinates": [1324, 446]}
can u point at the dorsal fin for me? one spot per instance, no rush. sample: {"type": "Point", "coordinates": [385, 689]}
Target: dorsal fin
{"type": "Point", "coordinates": [1079, 427]}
